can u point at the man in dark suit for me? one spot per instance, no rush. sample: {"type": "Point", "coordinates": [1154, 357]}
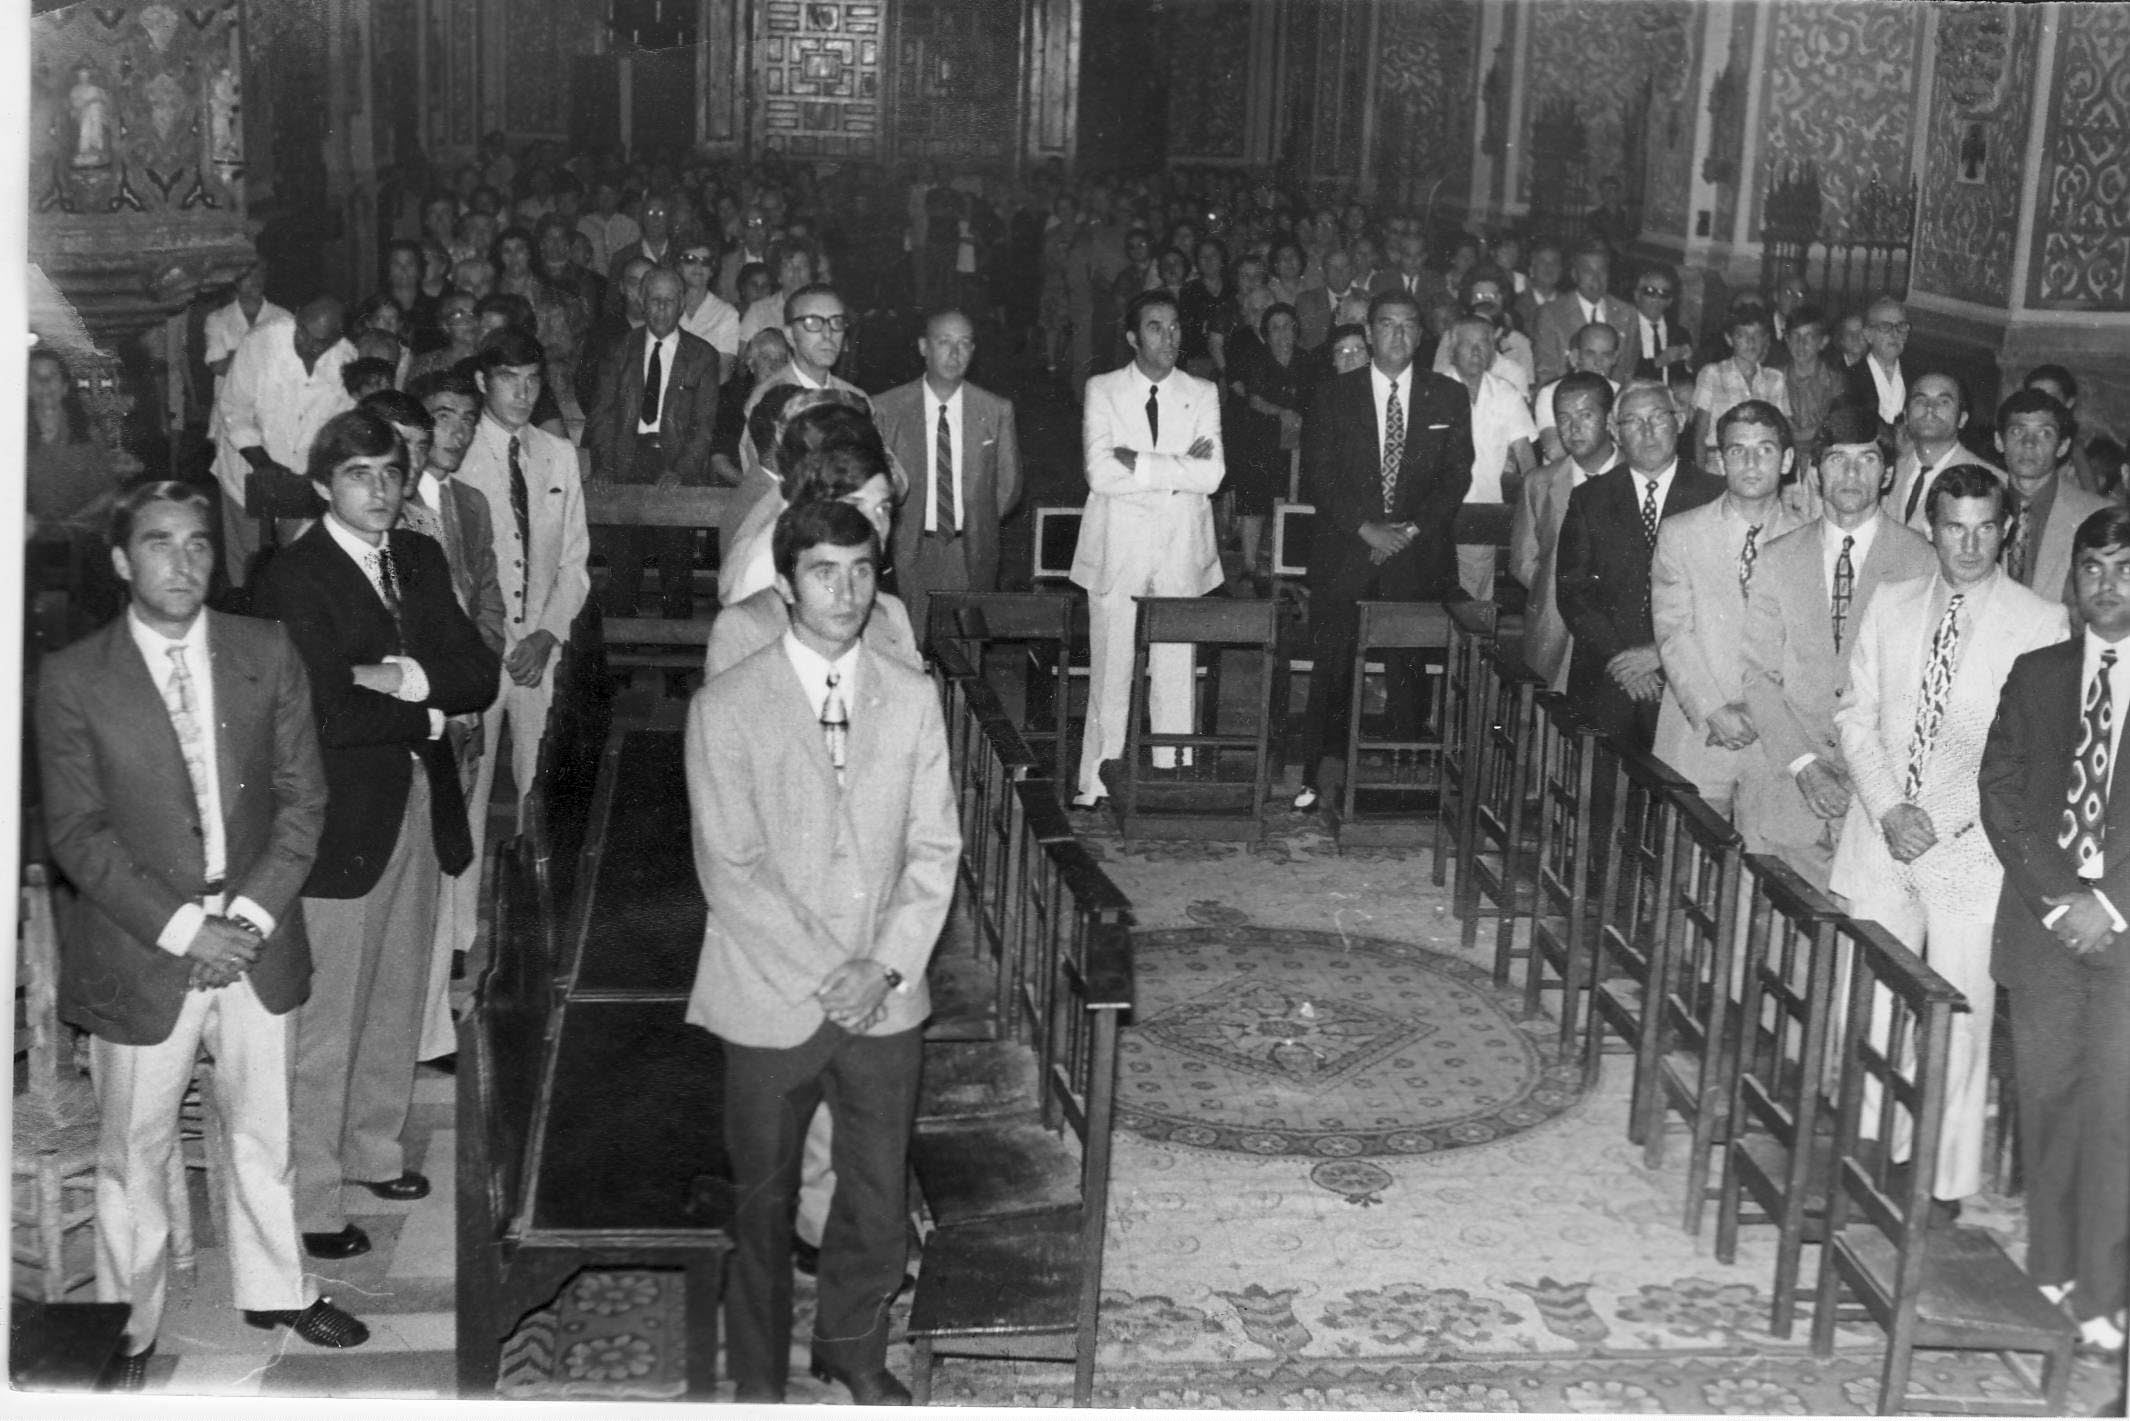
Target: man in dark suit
{"type": "Point", "coordinates": [961, 448]}
{"type": "Point", "coordinates": [651, 423]}
{"type": "Point", "coordinates": [391, 654]}
{"type": "Point", "coordinates": [1387, 459]}
{"type": "Point", "coordinates": [2062, 946]}
{"type": "Point", "coordinates": [184, 796]}
{"type": "Point", "coordinates": [1607, 540]}
{"type": "Point", "coordinates": [1883, 378]}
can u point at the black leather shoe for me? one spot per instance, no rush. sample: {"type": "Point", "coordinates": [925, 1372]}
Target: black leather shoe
{"type": "Point", "coordinates": [1944, 1213]}
{"type": "Point", "coordinates": [806, 1257]}
{"type": "Point", "coordinates": [876, 1389]}
{"type": "Point", "coordinates": [345, 1243]}
{"type": "Point", "coordinates": [128, 1371]}
{"type": "Point", "coordinates": [321, 1324]}
{"type": "Point", "coordinates": [404, 1190]}
{"type": "Point", "coordinates": [448, 1063]}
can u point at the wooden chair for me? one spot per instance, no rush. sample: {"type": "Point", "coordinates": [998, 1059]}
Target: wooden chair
{"type": "Point", "coordinates": [52, 1170]}
{"type": "Point", "coordinates": [1057, 537]}
{"type": "Point", "coordinates": [1493, 868]}
{"type": "Point", "coordinates": [1633, 903]}
{"type": "Point", "coordinates": [1208, 799]}
{"type": "Point", "coordinates": [1694, 1016]}
{"type": "Point", "coordinates": [1471, 628]}
{"type": "Point", "coordinates": [1948, 1288]}
{"type": "Point", "coordinates": [1778, 1156]}
{"type": "Point", "coordinates": [1389, 805]}
{"type": "Point", "coordinates": [1573, 759]}
{"type": "Point", "coordinates": [1040, 629]}
{"type": "Point", "coordinates": [1293, 533]}
{"type": "Point", "coordinates": [659, 643]}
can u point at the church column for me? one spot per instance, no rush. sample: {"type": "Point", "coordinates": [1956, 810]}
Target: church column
{"type": "Point", "coordinates": [1497, 67]}
{"type": "Point", "coordinates": [1050, 80]}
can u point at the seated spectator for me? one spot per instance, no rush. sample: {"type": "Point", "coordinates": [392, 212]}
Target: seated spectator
{"type": "Point", "coordinates": [1814, 384]}
{"type": "Point", "coordinates": [1542, 284]}
{"type": "Point", "coordinates": [706, 315]}
{"type": "Point", "coordinates": [474, 276]}
{"type": "Point", "coordinates": [366, 374]}
{"type": "Point", "coordinates": [461, 326]}
{"type": "Point", "coordinates": [1502, 436]}
{"type": "Point", "coordinates": [1595, 349]}
{"type": "Point", "coordinates": [794, 268]}
{"type": "Point", "coordinates": [1484, 295]}
{"type": "Point", "coordinates": [765, 357]}
{"type": "Point", "coordinates": [71, 476]}
{"type": "Point", "coordinates": [1849, 339]}
{"type": "Point", "coordinates": [404, 273]}
{"type": "Point", "coordinates": [1207, 310]}
{"type": "Point", "coordinates": [2080, 466]}
{"type": "Point", "coordinates": [1732, 381]}
{"type": "Point", "coordinates": [1662, 351]}
{"type": "Point", "coordinates": [1348, 347]}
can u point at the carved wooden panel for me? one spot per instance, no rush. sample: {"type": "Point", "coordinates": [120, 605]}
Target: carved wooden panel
{"type": "Point", "coordinates": [2082, 248]}
{"type": "Point", "coordinates": [1342, 65]}
{"type": "Point", "coordinates": [1841, 77]}
{"type": "Point", "coordinates": [818, 72]}
{"type": "Point", "coordinates": [955, 80]}
{"type": "Point", "coordinates": [1606, 56]}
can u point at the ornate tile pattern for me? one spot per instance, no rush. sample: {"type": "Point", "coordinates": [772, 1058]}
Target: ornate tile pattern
{"type": "Point", "coordinates": [2083, 261]}
{"type": "Point", "coordinates": [1841, 80]}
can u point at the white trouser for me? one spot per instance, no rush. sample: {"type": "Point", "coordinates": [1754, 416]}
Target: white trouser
{"type": "Point", "coordinates": [1112, 619]}
{"type": "Point", "coordinates": [457, 916]}
{"type": "Point", "coordinates": [138, 1091]}
{"type": "Point", "coordinates": [525, 707]}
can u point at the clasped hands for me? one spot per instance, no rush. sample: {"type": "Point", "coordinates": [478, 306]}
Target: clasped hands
{"type": "Point", "coordinates": [854, 996]}
{"type": "Point", "coordinates": [2086, 926]}
{"type": "Point", "coordinates": [223, 950]}
{"type": "Point", "coordinates": [1201, 447]}
{"type": "Point", "coordinates": [1387, 540]}
{"type": "Point", "coordinates": [1638, 672]}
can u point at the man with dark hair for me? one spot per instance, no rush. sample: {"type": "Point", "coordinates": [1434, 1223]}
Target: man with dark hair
{"type": "Point", "coordinates": [183, 798]}
{"type": "Point", "coordinates": [1589, 300]}
{"type": "Point", "coordinates": [1814, 384]}
{"type": "Point", "coordinates": [1582, 403]}
{"type": "Point", "coordinates": [826, 839]}
{"type": "Point", "coordinates": [390, 656]}
{"type": "Point", "coordinates": [2062, 945]}
{"type": "Point", "coordinates": [1809, 594]}
{"type": "Point", "coordinates": [2034, 434]}
{"type": "Point", "coordinates": [1151, 440]}
{"type": "Point", "coordinates": [1936, 410]}
{"type": "Point", "coordinates": [1929, 659]}
{"type": "Point", "coordinates": [1660, 348]}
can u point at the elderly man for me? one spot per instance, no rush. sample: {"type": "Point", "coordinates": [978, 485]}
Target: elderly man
{"type": "Point", "coordinates": [1596, 347]}
{"type": "Point", "coordinates": [1936, 413]}
{"type": "Point", "coordinates": [1883, 378]}
{"type": "Point", "coordinates": [1502, 436]}
{"type": "Point", "coordinates": [2033, 435]}
{"type": "Point", "coordinates": [655, 241]}
{"type": "Point", "coordinates": [1809, 593]}
{"type": "Point", "coordinates": [1583, 399]}
{"type": "Point", "coordinates": [1316, 309]}
{"type": "Point", "coordinates": [283, 385]}
{"type": "Point", "coordinates": [1930, 657]}
{"type": "Point", "coordinates": [1586, 302]}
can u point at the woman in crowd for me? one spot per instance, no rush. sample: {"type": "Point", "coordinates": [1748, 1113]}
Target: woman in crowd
{"type": "Point", "coordinates": [1724, 383]}
{"type": "Point", "coordinates": [1274, 387]}
{"type": "Point", "coordinates": [404, 273]}
{"type": "Point", "coordinates": [1286, 279]}
{"type": "Point", "coordinates": [559, 319]}
{"type": "Point", "coordinates": [1206, 310]}
{"type": "Point", "coordinates": [461, 327]}
{"type": "Point", "coordinates": [70, 475]}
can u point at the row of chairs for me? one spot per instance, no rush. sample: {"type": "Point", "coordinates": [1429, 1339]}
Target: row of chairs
{"type": "Point", "coordinates": [1799, 1052]}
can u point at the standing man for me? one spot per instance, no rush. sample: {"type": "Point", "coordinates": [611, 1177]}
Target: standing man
{"type": "Point", "coordinates": [1882, 379]}
{"type": "Point", "coordinates": [961, 447]}
{"type": "Point", "coordinates": [1152, 438]}
{"type": "Point", "coordinates": [1930, 657]}
{"type": "Point", "coordinates": [2034, 435]}
{"type": "Point", "coordinates": [826, 838]}
{"type": "Point", "coordinates": [2062, 944]}
{"type": "Point", "coordinates": [1699, 582]}
{"type": "Point", "coordinates": [1583, 401]}
{"type": "Point", "coordinates": [1936, 412]}
{"type": "Point", "coordinates": [390, 655]}
{"type": "Point", "coordinates": [652, 417]}
{"type": "Point", "coordinates": [283, 385]}
{"type": "Point", "coordinates": [1616, 676]}
{"type": "Point", "coordinates": [1810, 591]}
{"type": "Point", "coordinates": [1387, 459]}
{"type": "Point", "coordinates": [1502, 438]}
{"type": "Point", "coordinates": [1588, 301]}
{"type": "Point", "coordinates": [184, 797]}
{"type": "Point", "coordinates": [529, 478]}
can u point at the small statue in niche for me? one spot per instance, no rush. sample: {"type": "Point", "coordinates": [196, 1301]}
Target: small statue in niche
{"type": "Point", "coordinates": [225, 139]}
{"type": "Point", "coordinates": [91, 106]}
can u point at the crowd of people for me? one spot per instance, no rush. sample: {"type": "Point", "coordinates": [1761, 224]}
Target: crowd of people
{"type": "Point", "coordinates": [1775, 562]}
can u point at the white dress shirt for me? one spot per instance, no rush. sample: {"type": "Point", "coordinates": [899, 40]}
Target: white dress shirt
{"type": "Point", "coordinates": [270, 401]}
{"type": "Point", "coordinates": [413, 681]}
{"type": "Point", "coordinates": [1893, 390]}
{"type": "Point", "coordinates": [932, 406]}
{"type": "Point", "coordinates": [813, 669]}
{"type": "Point", "coordinates": [1499, 419]}
{"type": "Point", "coordinates": [668, 349]}
{"type": "Point", "coordinates": [718, 323]}
{"type": "Point", "coordinates": [1662, 478]}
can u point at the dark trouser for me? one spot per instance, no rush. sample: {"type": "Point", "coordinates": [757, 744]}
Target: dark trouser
{"type": "Point", "coordinates": [1334, 628]}
{"type": "Point", "coordinates": [934, 564]}
{"type": "Point", "coordinates": [870, 1084]}
{"type": "Point", "coordinates": [627, 549]}
{"type": "Point", "coordinates": [2071, 1054]}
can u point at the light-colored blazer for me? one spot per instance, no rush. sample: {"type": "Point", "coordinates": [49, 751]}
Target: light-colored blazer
{"type": "Point", "coordinates": [2052, 551]}
{"type": "Point", "coordinates": [1698, 610]}
{"type": "Point", "coordinates": [1534, 543]}
{"type": "Point", "coordinates": [1157, 514]}
{"type": "Point", "coordinates": [1877, 720]}
{"type": "Point", "coordinates": [1558, 321]}
{"type": "Point", "coordinates": [544, 587]}
{"type": "Point", "coordinates": [754, 622]}
{"type": "Point", "coordinates": [991, 471]}
{"type": "Point", "coordinates": [801, 874]}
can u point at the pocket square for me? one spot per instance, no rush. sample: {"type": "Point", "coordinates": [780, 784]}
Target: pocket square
{"type": "Point", "coordinates": [1433, 427]}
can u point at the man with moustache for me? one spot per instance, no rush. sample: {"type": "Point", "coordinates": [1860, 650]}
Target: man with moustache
{"type": "Point", "coordinates": [1809, 595]}
{"type": "Point", "coordinates": [1582, 401]}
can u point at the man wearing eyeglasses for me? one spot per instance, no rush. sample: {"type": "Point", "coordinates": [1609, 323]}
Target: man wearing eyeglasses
{"type": "Point", "coordinates": [1699, 582]}
{"type": "Point", "coordinates": [1661, 350]}
{"type": "Point", "coordinates": [752, 246]}
{"type": "Point", "coordinates": [1883, 378]}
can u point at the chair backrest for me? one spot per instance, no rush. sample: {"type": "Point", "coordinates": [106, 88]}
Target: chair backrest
{"type": "Point", "coordinates": [1057, 537]}
{"type": "Point", "coordinates": [1786, 1008]}
{"type": "Point", "coordinates": [956, 675]}
{"type": "Point", "coordinates": [992, 814]}
{"type": "Point", "coordinates": [1472, 627]}
{"type": "Point", "coordinates": [1403, 626]}
{"type": "Point", "coordinates": [1702, 934]}
{"type": "Point", "coordinates": [1220, 621]}
{"type": "Point", "coordinates": [37, 968]}
{"type": "Point", "coordinates": [1293, 532]}
{"type": "Point", "coordinates": [1643, 839]}
{"type": "Point", "coordinates": [514, 1008]}
{"type": "Point", "coordinates": [1571, 761]}
{"type": "Point", "coordinates": [1504, 737]}
{"type": "Point", "coordinates": [1000, 616]}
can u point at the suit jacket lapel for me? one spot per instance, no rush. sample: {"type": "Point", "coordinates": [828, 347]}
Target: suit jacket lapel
{"type": "Point", "coordinates": [867, 709]}
{"type": "Point", "coordinates": [235, 688]}
{"type": "Point", "coordinates": [134, 692]}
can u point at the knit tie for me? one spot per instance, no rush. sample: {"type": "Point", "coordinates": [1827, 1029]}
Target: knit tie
{"type": "Point", "coordinates": [1937, 688]}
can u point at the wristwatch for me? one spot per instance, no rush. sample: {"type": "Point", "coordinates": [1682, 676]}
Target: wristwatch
{"type": "Point", "coordinates": [894, 978]}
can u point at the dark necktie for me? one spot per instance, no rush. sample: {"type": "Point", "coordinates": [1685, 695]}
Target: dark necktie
{"type": "Point", "coordinates": [1937, 689]}
{"type": "Point", "coordinates": [1393, 449]}
{"type": "Point", "coordinates": [2085, 815]}
{"type": "Point", "coordinates": [1915, 490]}
{"type": "Point", "coordinates": [653, 382]}
{"type": "Point", "coordinates": [1844, 586]}
{"type": "Point", "coordinates": [2020, 544]}
{"type": "Point", "coordinates": [520, 498]}
{"type": "Point", "coordinates": [944, 483]}
{"type": "Point", "coordinates": [1153, 415]}
{"type": "Point", "coordinates": [836, 726]}
{"type": "Point", "coordinates": [1746, 554]}
{"type": "Point", "coordinates": [1649, 511]}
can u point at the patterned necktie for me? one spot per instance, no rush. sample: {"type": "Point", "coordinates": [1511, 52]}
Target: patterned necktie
{"type": "Point", "coordinates": [944, 489]}
{"type": "Point", "coordinates": [1746, 554]}
{"type": "Point", "coordinates": [1153, 414]}
{"type": "Point", "coordinates": [1649, 511]}
{"type": "Point", "coordinates": [2020, 543]}
{"type": "Point", "coordinates": [1844, 586]}
{"type": "Point", "coordinates": [653, 383]}
{"type": "Point", "coordinates": [521, 511]}
{"type": "Point", "coordinates": [836, 726]}
{"type": "Point", "coordinates": [1937, 686]}
{"type": "Point", "coordinates": [1393, 449]}
{"type": "Point", "coordinates": [192, 744]}
{"type": "Point", "coordinates": [2085, 815]}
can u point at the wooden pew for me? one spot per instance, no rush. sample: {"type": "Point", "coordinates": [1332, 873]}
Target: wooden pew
{"type": "Point", "coordinates": [1471, 629]}
{"type": "Point", "coordinates": [659, 643]}
{"type": "Point", "coordinates": [1391, 807]}
{"type": "Point", "coordinates": [1043, 630]}
{"type": "Point", "coordinates": [1494, 870]}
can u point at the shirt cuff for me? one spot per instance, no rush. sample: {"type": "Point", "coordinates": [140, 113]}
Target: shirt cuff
{"type": "Point", "coordinates": [2115, 919]}
{"type": "Point", "coordinates": [1797, 766]}
{"type": "Point", "coordinates": [252, 913]}
{"type": "Point", "coordinates": [436, 723]}
{"type": "Point", "coordinates": [413, 681]}
{"type": "Point", "coordinates": [184, 925]}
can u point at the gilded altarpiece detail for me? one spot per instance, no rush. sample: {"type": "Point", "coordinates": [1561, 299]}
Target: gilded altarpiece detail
{"type": "Point", "coordinates": [955, 93]}
{"type": "Point", "coordinates": [1598, 54]}
{"type": "Point", "coordinates": [1968, 231]}
{"type": "Point", "coordinates": [2082, 248]}
{"type": "Point", "coordinates": [1209, 79]}
{"type": "Point", "coordinates": [1841, 95]}
{"type": "Point", "coordinates": [818, 74]}
{"type": "Point", "coordinates": [1424, 103]}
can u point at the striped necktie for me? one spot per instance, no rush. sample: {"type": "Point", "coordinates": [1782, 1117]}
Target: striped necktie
{"type": "Point", "coordinates": [1393, 449]}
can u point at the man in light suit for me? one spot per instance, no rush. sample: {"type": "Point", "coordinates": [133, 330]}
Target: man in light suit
{"type": "Point", "coordinates": [962, 450]}
{"type": "Point", "coordinates": [1795, 790]}
{"type": "Point", "coordinates": [2034, 435]}
{"type": "Point", "coordinates": [1910, 855]}
{"type": "Point", "coordinates": [542, 548]}
{"type": "Point", "coordinates": [2062, 944]}
{"type": "Point", "coordinates": [651, 422]}
{"type": "Point", "coordinates": [1587, 301]}
{"type": "Point", "coordinates": [1699, 581]}
{"type": "Point", "coordinates": [826, 839]}
{"type": "Point", "coordinates": [1935, 414]}
{"type": "Point", "coordinates": [188, 929]}
{"type": "Point", "coordinates": [1583, 404]}
{"type": "Point", "coordinates": [1151, 435]}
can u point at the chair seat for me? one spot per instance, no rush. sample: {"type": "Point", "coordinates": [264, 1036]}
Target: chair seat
{"type": "Point", "coordinates": [994, 1169]}
{"type": "Point", "coordinates": [977, 1080]}
{"type": "Point", "coordinates": [1001, 1279]}
{"type": "Point", "coordinates": [61, 1126]}
{"type": "Point", "coordinates": [964, 990]}
{"type": "Point", "coordinates": [1973, 1295]}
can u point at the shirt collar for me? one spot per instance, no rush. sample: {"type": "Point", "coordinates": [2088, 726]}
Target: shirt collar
{"type": "Point", "coordinates": [432, 486]}
{"type": "Point", "coordinates": [155, 647]}
{"type": "Point", "coordinates": [350, 541]}
{"type": "Point", "coordinates": [1381, 382]}
{"type": "Point", "coordinates": [813, 667]}
{"type": "Point", "coordinates": [1661, 476]}
{"type": "Point", "coordinates": [933, 401]}
{"type": "Point", "coordinates": [2094, 647]}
